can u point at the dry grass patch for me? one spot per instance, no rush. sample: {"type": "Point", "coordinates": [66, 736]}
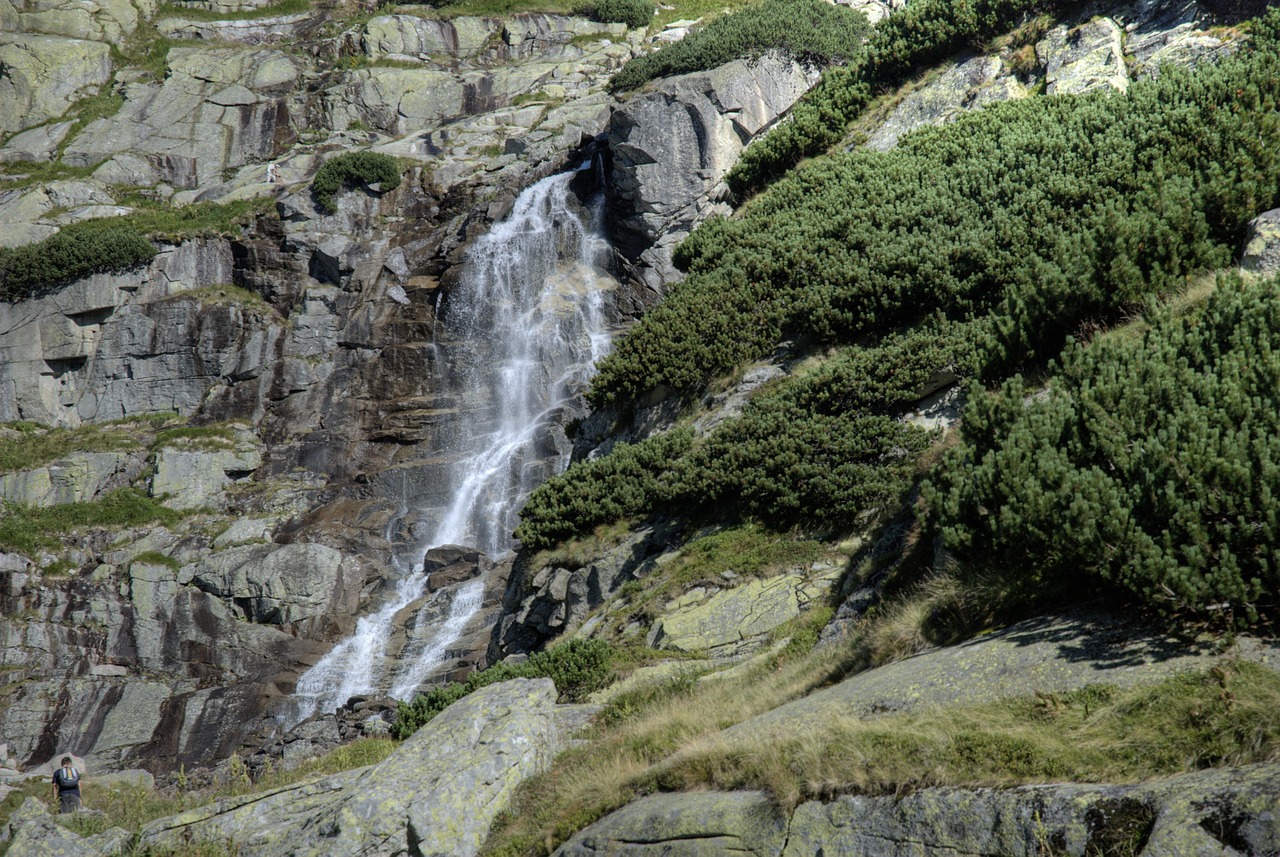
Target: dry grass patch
{"type": "Point", "coordinates": [636, 732]}
{"type": "Point", "coordinates": [1227, 715]}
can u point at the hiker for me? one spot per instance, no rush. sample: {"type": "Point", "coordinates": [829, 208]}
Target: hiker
{"type": "Point", "coordinates": [66, 785]}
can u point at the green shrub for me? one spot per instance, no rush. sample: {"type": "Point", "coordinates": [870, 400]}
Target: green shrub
{"type": "Point", "coordinates": [578, 668]}
{"type": "Point", "coordinates": [1029, 217]}
{"type": "Point", "coordinates": [811, 31]}
{"type": "Point", "coordinates": [74, 252]}
{"type": "Point", "coordinates": [628, 481]}
{"type": "Point", "coordinates": [633, 13]}
{"type": "Point", "coordinates": [157, 558]}
{"type": "Point", "coordinates": [1011, 228]}
{"type": "Point", "coordinates": [112, 243]}
{"type": "Point", "coordinates": [1152, 465]}
{"type": "Point", "coordinates": [28, 445]}
{"type": "Point", "coordinates": [818, 449]}
{"type": "Point", "coordinates": [349, 169]}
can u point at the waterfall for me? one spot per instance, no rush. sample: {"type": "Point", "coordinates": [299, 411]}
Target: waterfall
{"type": "Point", "coordinates": [465, 604]}
{"type": "Point", "coordinates": [527, 323]}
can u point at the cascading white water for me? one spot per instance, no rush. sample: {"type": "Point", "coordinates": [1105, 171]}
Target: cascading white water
{"type": "Point", "coordinates": [529, 311]}
{"type": "Point", "coordinates": [465, 604]}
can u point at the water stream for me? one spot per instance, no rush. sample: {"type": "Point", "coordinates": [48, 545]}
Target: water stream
{"type": "Point", "coordinates": [526, 324]}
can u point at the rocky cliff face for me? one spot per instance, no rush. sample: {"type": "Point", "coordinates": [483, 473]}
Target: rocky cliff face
{"type": "Point", "coordinates": [309, 340]}
{"type": "Point", "coordinates": [307, 348]}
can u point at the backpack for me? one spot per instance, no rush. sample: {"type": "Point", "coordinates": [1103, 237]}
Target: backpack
{"type": "Point", "coordinates": [68, 778]}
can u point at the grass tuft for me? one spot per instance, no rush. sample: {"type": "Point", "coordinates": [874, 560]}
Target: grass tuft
{"type": "Point", "coordinates": [26, 445]}
{"type": "Point", "coordinates": [26, 529]}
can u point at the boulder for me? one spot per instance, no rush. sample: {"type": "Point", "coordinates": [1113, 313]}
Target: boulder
{"type": "Point", "coordinates": [102, 20]}
{"type": "Point", "coordinates": [698, 824]}
{"type": "Point", "coordinates": [1262, 245]}
{"type": "Point", "coordinates": [450, 564]}
{"type": "Point", "coordinates": [967, 86]}
{"type": "Point", "coordinates": [544, 604]}
{"type": "Point", "coordinates": [1052, 654]}
{"type": "Point", "coordinates": [38, 144]}
{"type": "Point", "coordinates": [487, 40]}
{"type": "Point", "coordinates": [45, 75]}
{"type": "Point", "coordinates": [77, 478]}
{"type": "Point", "coordinates": [395, 100]}
{"type": "Point", "coordinates": [110, 346]}
{"type": "Point", "coordinates": [197, 478]}
{"type": "Point", "coordinates": [730, 622]}
{"type": "Point", "coordinates": [437, 794]}
{"type": "Point", "coordinates": [461, 37]}
{"type": "Point", "coordinates": [672, 146]}
{"type": "Point", "coordinates": [245, 531]}
{"type": "Point", "coordinates": [258, 31]}
{"type": "Point", "coordinates": [1085, 58]}
{"type": "Point", "coordinates": [198, 122]}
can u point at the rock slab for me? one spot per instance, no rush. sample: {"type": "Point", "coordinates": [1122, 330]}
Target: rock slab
{"type": "Point", "coordinates": [436, 795]}
{"type": "Point", "coordinates": [1230, 811]}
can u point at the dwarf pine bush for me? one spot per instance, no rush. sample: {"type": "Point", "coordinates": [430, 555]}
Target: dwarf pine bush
{"type": "Point", "coordinates": [577, 667]}
{"type": "Point", "coordinates": [633, 13]}
{"type": "Point", "coordinates": [907, 42]}
{"type": "Point", "coordinates": [1151, 465]}
{"type": "Point", "coordinates": [1005, 231]}
{"type": "Point", "coordinates": [77, 251]}
{"type": "Point", "coordinates": [349, 169]}
{"type": "Point", "coordinates": [819, 450]}
{"type": "Point", "coordinates": [1032, 216]}
{"type": "Point", "coordinates": [811, 31]}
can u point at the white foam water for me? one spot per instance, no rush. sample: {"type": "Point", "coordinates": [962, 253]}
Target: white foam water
{"type": "Point", "coordinates": [528, 312]}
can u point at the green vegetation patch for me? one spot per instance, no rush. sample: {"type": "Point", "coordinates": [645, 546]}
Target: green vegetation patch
{"type": "Point", "coordinates": [77, 251]}
{"type": "Point", "coordinates": [633, 13]}
{"type": "Point", "coordinates": [811, 31]}
{"type": "Point", "coordinates": [629, 481]}
{"type": "Point", "coordinates": [816, 450]}
{"type": "Point", "coordinates": [157, 558]}
{"type": "Point", "coordinates": [196, 437]}
{"type": "Point", "coordinates": [26, 529]}
{"type": "Point", "coordinates": [226, 294]}
{"type": "Point", "coordinates": [1029, 217]}
{"type": "Point", "coordinates": [578, 668]}
{"type": "Point", "coordinates": [350, 169]}
{"type": "Point", "coordinates": [112, 244]}
{"type": "Point", "coordinates": [25, 445]}
{"type": "Point", "coordinates": [172, 224]}
{"type": "Point", "coordinates": [272, 10]}
{"type": "Point", "coordinates": [989, 241]}
{"type": "Point", "coordinates": [1152, 464]}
